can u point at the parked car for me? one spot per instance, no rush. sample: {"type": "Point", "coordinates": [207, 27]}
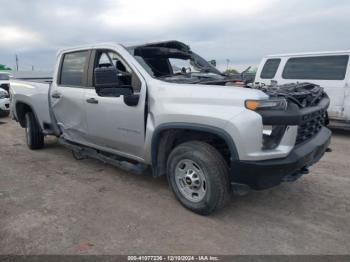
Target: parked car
{"type": "Point", "coordinates": [126, 106]}
{"type": "Point", "coordinates": [4, 103]}
{"type": "Point", "coordinates": [5, 81]}
{"type": "Point", "coordinates": [330, 70]}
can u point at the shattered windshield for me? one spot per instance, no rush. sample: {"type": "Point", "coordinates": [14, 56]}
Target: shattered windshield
{"type": "Point", "coordinates": [174, 61]}
{"type": "Point", "coordinates": [183, 66]}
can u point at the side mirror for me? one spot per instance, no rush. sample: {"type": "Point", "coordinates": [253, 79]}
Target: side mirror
{"type": "Point", "coordinates": [106, 77]}
{"type": "Point", "coordinates": [109, 82]}
{"type": "Point", "coordinates": [132, 100]}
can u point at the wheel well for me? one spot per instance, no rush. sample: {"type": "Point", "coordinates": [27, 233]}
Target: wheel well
{"type": "Point", "coordinates": [21, 110]}
{"type": "Point", "coordinates": [169, 139]}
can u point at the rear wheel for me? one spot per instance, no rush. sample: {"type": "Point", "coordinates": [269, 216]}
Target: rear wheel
{"type": "Point", "coordinates": [34, 136]}
{"type": "Point", "coordinates": [198, 176]}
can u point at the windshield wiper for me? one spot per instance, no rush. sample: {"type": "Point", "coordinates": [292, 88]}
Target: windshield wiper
{"type": "Point", "coordinates": [214, 81]}
{"type": "Point", "coordinates": [171, 75]}
{"type": "Point", "coordinates": [206, 71]}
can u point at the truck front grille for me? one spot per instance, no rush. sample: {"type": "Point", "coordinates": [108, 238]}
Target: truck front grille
{"type": "Point", "coordinates": [311, 125]}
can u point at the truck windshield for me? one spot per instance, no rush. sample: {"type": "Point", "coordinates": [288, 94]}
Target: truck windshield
{"type": "Point", "coordinates": [4, 77]}
{"type": "Point", "coordinates": [173, 61]}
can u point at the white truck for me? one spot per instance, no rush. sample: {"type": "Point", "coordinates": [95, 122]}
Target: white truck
{"type": "Point", "coordinates": [5, 80]}
{"type": "Point", "coordinates": [330, 70]}
{"type": "Point", "coordinates": [4, 103]}
{"type": "Point", "coordinates": [127, 107]}
{"type": "Point", "coordinates": [4, 95]}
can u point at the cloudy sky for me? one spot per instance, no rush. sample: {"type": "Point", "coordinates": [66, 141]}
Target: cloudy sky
{"type": "Point", "coordinates": [242, 31]}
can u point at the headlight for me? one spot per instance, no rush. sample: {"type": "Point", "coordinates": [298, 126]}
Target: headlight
{"type": "Point", "coordinates": [274, 104]}
{"type": "Point", "coordinates": [272, 136]}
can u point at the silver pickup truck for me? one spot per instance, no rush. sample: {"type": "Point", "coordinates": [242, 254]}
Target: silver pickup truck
{"type": "Point", "coordinates": [160, 105]}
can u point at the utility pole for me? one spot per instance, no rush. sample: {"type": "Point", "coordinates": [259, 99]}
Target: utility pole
{"type": "Point", "coordinates": [228, 62]}
{"type": "Point", "coordinates": [16, 62]}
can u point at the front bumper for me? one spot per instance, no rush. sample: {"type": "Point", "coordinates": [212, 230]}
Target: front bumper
{"type": "Point", "coordinates": [260, 175]}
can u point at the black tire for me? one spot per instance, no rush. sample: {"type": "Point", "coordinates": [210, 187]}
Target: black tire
{"type": "Point", "coordinates": [4, 113]}
{"type": "Point", "coordinates": [34, 136]}
{"type": "Point", "coordinates": [211, 163]}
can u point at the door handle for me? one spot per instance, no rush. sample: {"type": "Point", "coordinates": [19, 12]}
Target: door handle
{"type": "Point", "coordinates": [92, 101]}
{"type": "Point", "coordinates": [56, 95]}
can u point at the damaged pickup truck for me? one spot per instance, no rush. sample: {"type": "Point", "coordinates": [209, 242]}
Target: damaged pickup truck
{"type": "Point", "coordinates": [162, 106]}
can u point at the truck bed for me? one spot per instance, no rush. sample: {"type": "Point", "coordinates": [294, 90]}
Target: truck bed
{"type": "Point", "coordinates": [34, 94]}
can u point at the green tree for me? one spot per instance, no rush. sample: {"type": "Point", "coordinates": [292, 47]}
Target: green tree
{"type": "Point", "coordinates": [231, 71]}
{"type": "Point", "coordinates": [3, 67]}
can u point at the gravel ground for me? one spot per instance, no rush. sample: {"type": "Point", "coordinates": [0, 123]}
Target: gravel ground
{"type": "Point", "coordinates": [51, 203]}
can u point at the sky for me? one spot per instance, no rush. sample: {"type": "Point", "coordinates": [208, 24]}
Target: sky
{"type": "Point", "coordinates": [241, 31]}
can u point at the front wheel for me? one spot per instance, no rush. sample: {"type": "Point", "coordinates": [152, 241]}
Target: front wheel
{"type": "Point", "coordinates": [34, 136]}
{"type": "Point", "coordinates": [198, 176]}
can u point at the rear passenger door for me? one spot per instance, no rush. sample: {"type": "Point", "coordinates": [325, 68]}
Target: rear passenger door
{"type": "Point", "coordinates": [67, 95]}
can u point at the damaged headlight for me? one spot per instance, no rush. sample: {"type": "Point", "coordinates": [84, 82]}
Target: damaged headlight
{"type": "Point", "coordinates": [272, 136]}
{"type": "Point", "coordinates": [272, 104]}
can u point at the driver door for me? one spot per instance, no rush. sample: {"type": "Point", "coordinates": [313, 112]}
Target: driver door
{"type": "Point", "coordinates": [112, 124]}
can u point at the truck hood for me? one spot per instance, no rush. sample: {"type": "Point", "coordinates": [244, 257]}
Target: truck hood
{"type": "Point", "coordinates": [202, 104]}
{"type": "Point", "coordinates": [210, 94]}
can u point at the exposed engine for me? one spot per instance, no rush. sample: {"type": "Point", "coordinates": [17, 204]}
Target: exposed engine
{"type": "Point", "coordinates": [302, 94]}
{"type": "Point", "coordinates": [310, 103]}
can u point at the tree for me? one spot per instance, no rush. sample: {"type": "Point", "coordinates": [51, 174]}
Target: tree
{"type": "Point", "coordinates": [3, 67]}
{"type": "Point", "coordinates": [231, 71]}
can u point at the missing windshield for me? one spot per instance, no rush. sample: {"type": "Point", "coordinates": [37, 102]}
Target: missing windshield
{"type": "Point", "coordinates": [174, 61]}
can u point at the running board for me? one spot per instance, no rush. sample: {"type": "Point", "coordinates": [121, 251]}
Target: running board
{"type": "Point", "coordinates": [48, 132]}
{"type": "Point", "coordinates": [81, 152]}
{"type": "Point", "coordinates": [47, 129]}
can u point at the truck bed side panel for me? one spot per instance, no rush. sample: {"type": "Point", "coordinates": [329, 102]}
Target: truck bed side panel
{"type": "Point", "coordinates": [34, 95]}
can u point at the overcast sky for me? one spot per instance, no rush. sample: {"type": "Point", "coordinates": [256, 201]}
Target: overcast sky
{"type": "Point", "coordinates": [242, 31]}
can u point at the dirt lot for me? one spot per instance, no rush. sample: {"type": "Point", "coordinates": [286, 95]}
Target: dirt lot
{"type": "Point", "coordinates": [51, 203]}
